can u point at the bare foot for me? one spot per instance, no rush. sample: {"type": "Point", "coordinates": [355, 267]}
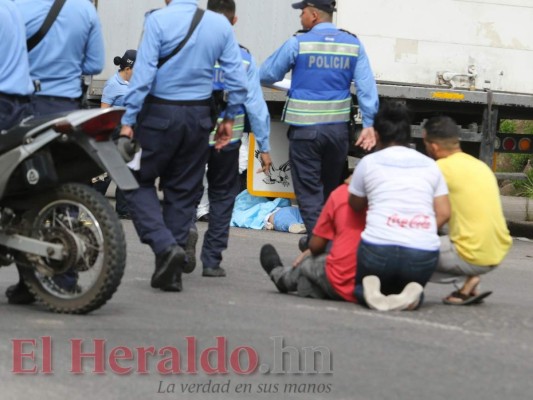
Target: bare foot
{"type": "Point", "coordinates": [470, 286]}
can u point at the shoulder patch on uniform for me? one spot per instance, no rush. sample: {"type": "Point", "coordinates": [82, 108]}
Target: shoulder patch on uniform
{"type": "Point", "coordinates": [301, 32]}
{"type": "Point", "coordinates": [244, 48]}
{"type": "Point", "coordinates": [348, 32]}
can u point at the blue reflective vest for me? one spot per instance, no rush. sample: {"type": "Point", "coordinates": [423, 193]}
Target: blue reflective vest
{"type": "Point", "coordinates": [218, 85]}
{"type": "Point", "coordinates": [321, 79]}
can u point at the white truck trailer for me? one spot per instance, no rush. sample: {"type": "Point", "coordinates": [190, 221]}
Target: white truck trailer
{"type": "Point", "coordinates": [470, 59]}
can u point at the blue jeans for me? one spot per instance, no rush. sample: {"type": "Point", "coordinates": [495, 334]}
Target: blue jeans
{"type": "Point", "coordinates": [395, 266]}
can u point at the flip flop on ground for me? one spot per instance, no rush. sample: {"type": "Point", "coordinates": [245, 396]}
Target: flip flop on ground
{"type": "Point", "coordinates": [459, 299]}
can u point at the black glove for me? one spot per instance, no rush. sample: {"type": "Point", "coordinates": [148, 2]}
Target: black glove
{"type": "Point", "coordinates": [127, 147]}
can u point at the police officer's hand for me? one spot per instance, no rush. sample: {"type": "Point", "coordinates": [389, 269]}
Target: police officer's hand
{"type": "Point", "coordinates": [224, 133]}
{"type": "Point", "coordinates": [367, 139]}
{"type": "Point", "coordinates": [266, 162]}
{"type": "Point", "coordinates": [127, 147]}
{"type": "Point", "coordinates": [126, 130]}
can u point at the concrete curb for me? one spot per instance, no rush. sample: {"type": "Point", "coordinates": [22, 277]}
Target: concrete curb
{"type": "Point", "coordinates": [518, 212]}
{"type": "Point", "coordinates": [517, 208]}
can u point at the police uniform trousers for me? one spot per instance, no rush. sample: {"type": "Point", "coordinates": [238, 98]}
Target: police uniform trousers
{"type": "Point", "coordinates": [47, 105]}
{"type": "Point", "coordinates": [317, 155]}
{"type": "Point", "coordinates": [223, 186]}
{"type": "Point", "coordinates": [174, 137]}
{"type": "Point", "coordinates": [13, 109]}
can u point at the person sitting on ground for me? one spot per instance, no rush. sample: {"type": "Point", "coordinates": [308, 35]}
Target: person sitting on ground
{"type": "Point", "coordinates": [478, 237]}
{"type": "Point", "coordinates": [407, 201]}
{"type": "Point", "coordinates": [323, 275]}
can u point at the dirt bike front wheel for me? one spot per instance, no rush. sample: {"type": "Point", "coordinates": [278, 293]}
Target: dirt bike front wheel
{"type": "Point", "coordinates": [94, 257]}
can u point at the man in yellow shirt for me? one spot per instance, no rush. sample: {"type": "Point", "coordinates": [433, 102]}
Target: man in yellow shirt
{"type": "Point", "coordinates": [478, 239]}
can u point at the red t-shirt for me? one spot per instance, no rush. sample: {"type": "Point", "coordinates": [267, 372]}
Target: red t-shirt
{"type": "Point", "coordinates": [342, 225]}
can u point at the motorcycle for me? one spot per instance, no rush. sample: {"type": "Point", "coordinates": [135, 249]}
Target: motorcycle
{"type": "Point", "coordinates": [63, 235]}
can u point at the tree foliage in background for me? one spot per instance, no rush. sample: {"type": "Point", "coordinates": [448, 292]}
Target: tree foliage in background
{"type": "Point", "coordinates": [525, 187]}
{"type": "Point", "coordinates": [516, 162]}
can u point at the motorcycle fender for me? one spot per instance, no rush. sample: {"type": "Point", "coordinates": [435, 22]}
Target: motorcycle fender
{"type": "Point", "coordinates": [108, 155]}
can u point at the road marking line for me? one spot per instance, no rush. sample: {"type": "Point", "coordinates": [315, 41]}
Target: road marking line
{"type": "Point", "coordinates": [395, 318]}
{"type": "Point", "coordinates": [50, 322]}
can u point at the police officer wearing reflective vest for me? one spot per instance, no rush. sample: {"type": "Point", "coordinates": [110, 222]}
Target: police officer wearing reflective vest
{"type": "Point", "coordinates": [72, 47]}
{"type": "Point", "coordinates": [15, 82]}
{"type": "Point", "coordinates": [223, 166]}
{"type": "Point", "coordinates": [324, 61]}
{"type": "Point", "coordinates": [170, 106]}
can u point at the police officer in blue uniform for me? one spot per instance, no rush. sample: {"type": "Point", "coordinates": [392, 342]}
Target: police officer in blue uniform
{"type": "Point", "coordinates": [15, 82]}
{"type": "Point", "coordinates": [171, 106]}
{"type": "Point", "coordinates": [73, 47]}
{"type": "Point", "coordinates": [324, 61]}
{"type": "Point", "coordinates": [116, 87]}
{"type": "Point", "coordinates": [113, 95]}
{"type": "Point", "coordinates": [223, 166]}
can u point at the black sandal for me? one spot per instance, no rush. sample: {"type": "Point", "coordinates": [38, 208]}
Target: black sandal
{"type": "Point", "coordinates": [466, 299]}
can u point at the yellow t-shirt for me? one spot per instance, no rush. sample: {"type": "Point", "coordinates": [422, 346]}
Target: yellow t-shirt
{"type": "Point", "coordinates": [477, 225]}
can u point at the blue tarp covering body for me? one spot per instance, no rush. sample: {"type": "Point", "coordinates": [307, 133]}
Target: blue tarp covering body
{"type": "Point", "coordinates": [250, 211]}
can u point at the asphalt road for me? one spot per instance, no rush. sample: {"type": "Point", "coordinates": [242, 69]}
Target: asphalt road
{"type": "Point", "coordinates": [439, 352]}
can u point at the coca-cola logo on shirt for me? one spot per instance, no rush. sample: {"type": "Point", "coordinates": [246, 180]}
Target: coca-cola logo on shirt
{"type": "Point", "coordinates": [419, 221]}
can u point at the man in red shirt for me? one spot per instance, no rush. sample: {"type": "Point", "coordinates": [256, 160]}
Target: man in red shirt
{"type": "Point", "coordinates": [323, 275]}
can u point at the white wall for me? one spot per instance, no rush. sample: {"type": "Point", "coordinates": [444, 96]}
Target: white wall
{"type": "Point", "coordinates": [408, 41]}
{"type": "Point", "coordinates": [411, 40]}
{"type": "Point", "coordinates": [122, 24]}
{"type": "Point", "coordinates": [264, 25]}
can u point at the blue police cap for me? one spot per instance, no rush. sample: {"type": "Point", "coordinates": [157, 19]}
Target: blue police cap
{"type": "Point", "coordinates": [324, 5]}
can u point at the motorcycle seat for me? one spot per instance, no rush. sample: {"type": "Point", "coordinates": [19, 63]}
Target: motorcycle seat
{"type": "Point", "coordinates": [12, 138]}
{"type": "Point", "coordinates": [15, 136]}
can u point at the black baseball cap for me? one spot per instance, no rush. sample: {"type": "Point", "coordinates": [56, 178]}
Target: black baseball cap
{"type": "Point", "coordinates": [324, 5]}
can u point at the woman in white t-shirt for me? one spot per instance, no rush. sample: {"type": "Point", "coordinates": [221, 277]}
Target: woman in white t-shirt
{"type": "Point", "coordinates": [407, 200]}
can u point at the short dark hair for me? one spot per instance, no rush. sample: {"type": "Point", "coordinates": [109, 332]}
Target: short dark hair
{"type": "Point", "coordinates": [441, 128]}
{"type": "Point", "coordinates": [225, 7]}
{"type": "Point", "coordinates": [393, 123]}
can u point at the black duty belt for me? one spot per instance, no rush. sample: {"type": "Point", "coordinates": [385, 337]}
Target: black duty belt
{"type": "Point", "coordinates": [15, 97]}
{"type": "Point", "coordinates": [58, 98]}
{"type": "Point", "coordinates": [157, 100]}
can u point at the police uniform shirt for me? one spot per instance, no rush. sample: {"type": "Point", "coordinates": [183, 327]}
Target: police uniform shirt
{"type": "Point", "coordinates": [14, 68]}
{"type": "Point", "coordinates": [255, 106]}
{"type": "Point", "coordinates": [73, 46]}
{"type": "Point", "coordinates": [284, 59]}
{"type": "Point", "coordinates": [189, 74]}
{"type": "Point", "coordinates": [114, 90]}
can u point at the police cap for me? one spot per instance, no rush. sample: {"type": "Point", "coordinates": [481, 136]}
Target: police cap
{"type": "Point", "coordinates": [127, 60]}
{"type": "Point", "coordinates": [324, 5]}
